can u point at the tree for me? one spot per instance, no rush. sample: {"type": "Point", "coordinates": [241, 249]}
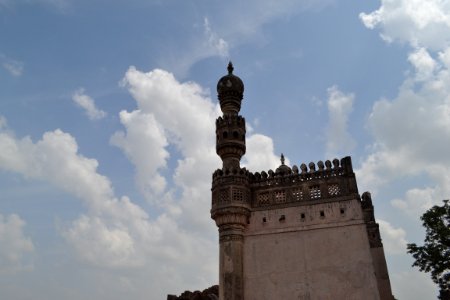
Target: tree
{"type": "Point", "coordinates": [434, 256]}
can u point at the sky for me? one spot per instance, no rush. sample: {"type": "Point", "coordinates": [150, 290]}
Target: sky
{"type": "Point", "coordinates": [107, 124]}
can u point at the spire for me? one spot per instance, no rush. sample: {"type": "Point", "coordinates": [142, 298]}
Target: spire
{"type": "Point", "coordinates": [282, 159]}
{"type": "Point", "coordinates": [230, 68]}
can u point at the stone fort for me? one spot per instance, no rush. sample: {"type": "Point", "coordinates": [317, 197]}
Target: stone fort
{"type": "Point", "coordinates": [293, 233]}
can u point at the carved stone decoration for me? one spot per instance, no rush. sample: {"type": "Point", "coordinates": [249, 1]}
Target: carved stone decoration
{"type": "Point", "coordinates": [333, 190]}
{"type": "Point", "coordinates": [264, 199]}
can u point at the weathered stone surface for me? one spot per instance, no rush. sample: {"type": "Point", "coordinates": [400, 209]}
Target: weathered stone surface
{"type": "Point", "coordinates": [325, 255]}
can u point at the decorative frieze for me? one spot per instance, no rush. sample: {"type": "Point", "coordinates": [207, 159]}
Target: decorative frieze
{"type": "Point", "coordinates": [314, 192]}
{"type": "Point", "coordinates": [333, 190]}
{"type": "Point", "coordinates": [297, 194]}
{"type": "Point", "coordinates": [264, 199]}
{"type": "Point", "coordinates": [280, 196]}
{"type": "Point", "coordinates": [300, 193]}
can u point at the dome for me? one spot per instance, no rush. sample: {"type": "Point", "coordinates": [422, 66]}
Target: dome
{"type": "Point", "coordinates": [283, 169]}
{"type": "Point", "coordinates": [230, 85]}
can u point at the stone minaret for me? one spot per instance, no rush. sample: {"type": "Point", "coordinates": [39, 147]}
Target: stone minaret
{"type": "Point", "coordinates": [230, 202]}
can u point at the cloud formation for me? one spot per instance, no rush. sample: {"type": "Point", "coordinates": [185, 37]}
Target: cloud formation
{"type": "Point", "coordinates": [144, 144]}
{"type": "Point", "coordinates": [416, 22]}
{"type": "Point", "coordinates": [216, 37]}
{"type": "Point", "coordinates": [14, 67]}
{"type": "Point", "coordinates": [214, 41]}
{"type": "Point", "coordinates": [59, 5]}
{"type": "Point", "coordinates": [184, 115]}
{"type": "Point", "coordinates": [394, 239]}
{"type": "Point", "coordinates": [15, 247]}
{"type": "Point", "coordinates": [206, 42]}
{"type": "Point", "coordinates": [340, 106]}
{"type": "Point", "coordinates": [87, 103]}
{"type": "Point", "coordinates": [115, 233]}
{"type": "Point", "coordinates": [260, 154]}
{"type": "Point", "coordinates": [412, 131]}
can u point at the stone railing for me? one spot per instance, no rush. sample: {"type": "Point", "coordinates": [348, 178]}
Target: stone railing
{"type": "Point", "coordinates": [329, 180]}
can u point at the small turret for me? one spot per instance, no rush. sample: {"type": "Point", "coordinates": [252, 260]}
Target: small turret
{"type": "Point", "coordinates": [283, 169]}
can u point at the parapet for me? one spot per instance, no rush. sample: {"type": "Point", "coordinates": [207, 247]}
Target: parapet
{"type": "Point", "coordinates": [313, 183]}
{"type": "Point", "coordinates": [329, 181]}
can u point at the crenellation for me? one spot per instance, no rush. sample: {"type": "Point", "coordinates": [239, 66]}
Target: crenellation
{"type": "Point", "coordinates": [309, 185]}
{"type": "Point", "coordinates": [324, 170]}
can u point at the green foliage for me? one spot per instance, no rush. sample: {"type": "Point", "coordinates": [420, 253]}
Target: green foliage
{"type": "Point", "coordinates": [434, 256]}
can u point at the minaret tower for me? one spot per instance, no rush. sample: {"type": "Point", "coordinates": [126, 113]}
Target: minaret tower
{"type": "Point", "coordinates": [230, 187]}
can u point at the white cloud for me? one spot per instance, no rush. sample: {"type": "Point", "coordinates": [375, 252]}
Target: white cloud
{"type": "Point", "coordinates": [251, 16]}
{"type": "Point", "coordinates": [214, 41]}
{"type": "Point", "coordinates": [423, 63]}
{"type": "Point", "coordinates": [59, 5]}
{"type": "Point", "coordinates": [14, 67]}
{"type": "Point", "coordinates": [394, 239]}
{"type": "Point", "coordinates": [340, 106]}
{"type": "Point", "coordinates": [204, 43]}
{"type": "Point", "coordinates": [417, 22]}
{"type": "Point", "coordinates": [186, 116]}
{"type": "Point", "coordinates": [215, 37]}
{"type": "Point", "coordinates": [103, 245]}
{"type": "Point", "coordinates": [114, 232]}
{"type": "Point", "coordinates": [412, 131]}
{"type": "Point", "coordinates": [412, 285]}
{"type": "Point", "coordinates": [54, 158]}
{"type": "Point", "coordinates": [260, 154]}
{"type": "Point", "coordinates": [15, 247]}
{"type": "Point", "coordinates": [144, 144]}
{"type": "Point", "coordinates": [88, 104]}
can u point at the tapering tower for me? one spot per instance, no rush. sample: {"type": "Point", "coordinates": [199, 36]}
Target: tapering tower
{"type": "Point", "coordinates": [230, 190]}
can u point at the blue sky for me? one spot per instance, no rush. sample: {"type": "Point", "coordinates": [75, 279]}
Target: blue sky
{"type": "Point", "coordinates": [107, 113]}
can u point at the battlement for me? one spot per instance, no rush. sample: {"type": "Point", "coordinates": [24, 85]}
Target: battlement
{"type": "Point", "coordinates": [329, 181]}
{"type": "Point", "coordinates": [336, 168]}
{"type": "Point", "coordinates": [229, 173]}
{"type": "Point", "coordinates": [286, 186]}
{"type": "Point", "coordinates": [230, 119]}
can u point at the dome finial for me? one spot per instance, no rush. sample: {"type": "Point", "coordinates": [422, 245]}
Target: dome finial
{"type": "Point", "coordinates": [282, 159]}
{"type": "Point", "coordinates": [230, 68]}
